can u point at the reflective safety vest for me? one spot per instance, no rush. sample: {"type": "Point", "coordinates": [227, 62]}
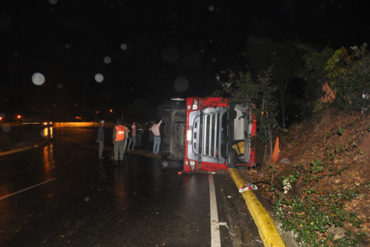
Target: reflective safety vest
{"type": "Point", "coordinates": [120, 132]}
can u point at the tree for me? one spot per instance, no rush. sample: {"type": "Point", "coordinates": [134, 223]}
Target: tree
{"type": "Point", "coordinates": [313, 74]}
{"type": "Point", "coordinates": [259, 96]}
{"type": "Point", "coordinates": [348, 74]}
{"type": "Point", "coordinates": [284, 59]}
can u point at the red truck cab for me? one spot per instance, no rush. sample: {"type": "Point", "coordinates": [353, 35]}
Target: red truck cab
{"type": "Point", "coordinates": [218, 135]}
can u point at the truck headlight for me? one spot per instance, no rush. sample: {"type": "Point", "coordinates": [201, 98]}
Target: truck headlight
{"type": "Point", "coordinates": [195, 105]}
{"type": "Point", "coordinates": [192, 165]}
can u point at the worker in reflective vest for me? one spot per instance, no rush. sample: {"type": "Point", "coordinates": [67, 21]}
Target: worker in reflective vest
{"type": "Point", "coordinates": [119, 139]}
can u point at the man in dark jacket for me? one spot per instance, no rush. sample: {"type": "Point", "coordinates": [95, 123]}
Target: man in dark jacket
{"type": "Point", "coordinates": [100, 139]}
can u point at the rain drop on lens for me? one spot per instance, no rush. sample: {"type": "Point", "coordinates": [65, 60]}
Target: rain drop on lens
{"type": "Point", "coordinates": [99, 78]}
{"type": "Point", "coordinates": [107, 60]}
{"type": "Point", "coordinates": [123, 46]}
{"type": "Point", "coordinates": [181, 84]}
{"type": "Point", "coordinates": [38, 79]}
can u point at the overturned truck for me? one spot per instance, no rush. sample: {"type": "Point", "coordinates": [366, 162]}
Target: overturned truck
{"type": "Point", "coordinates": [218, 135]}
{"type": "Point", "coordinates": [206, 134]}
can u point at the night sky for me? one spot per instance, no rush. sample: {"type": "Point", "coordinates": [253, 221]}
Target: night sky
{"type": "Point", "coordinates": [146, 51]}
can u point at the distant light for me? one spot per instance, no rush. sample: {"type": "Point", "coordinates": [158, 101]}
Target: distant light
{"type": "Point", "coordinates": [38, 79]}
{"type": "Point", "coordinates": [1, 118]}
{"type": "Point", "coordinates": [78, 117]}
{"type": "Point", "coordinates": [211, 8]}
{"type": "Point", "coordinates": [60, 85]}
{"type": "Point", "coordinates": [19, 116]}
{"type": "Point", "coordinates": [111, 110]}
{"type": "Point", "coordinates": [53, 2]}
{"type": "Point", "coordinates": [107, 60]}
{"type": "Point", "coordinates": [45, 131]}
{"type": "Point", "coordinates": [99, 78]}
{"type": "Point", "coordinates": [123, 46]}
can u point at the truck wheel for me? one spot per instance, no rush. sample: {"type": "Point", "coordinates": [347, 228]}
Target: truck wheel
{"type": "Point", "coordinates": [231, 159]}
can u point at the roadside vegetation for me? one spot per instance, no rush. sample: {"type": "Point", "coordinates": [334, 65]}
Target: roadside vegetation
{"type": "Point", "coordinates": [316, 100]}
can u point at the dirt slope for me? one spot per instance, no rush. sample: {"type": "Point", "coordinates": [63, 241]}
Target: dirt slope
{"type": "Point", "coordinates": [339, 143]}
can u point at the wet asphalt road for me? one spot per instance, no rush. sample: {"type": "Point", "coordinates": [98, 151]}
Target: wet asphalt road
{"type": "Point", "coordinates": [62, 195]}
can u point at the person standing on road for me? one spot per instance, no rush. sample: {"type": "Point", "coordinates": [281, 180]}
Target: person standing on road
{"type": "Point", "coordinates": [119, 136]}
{"type": "Point", "coordinates": [125, 142]}
{"type": "Point", "coordinates": [132, 141]}
{"type": "Point", "coordinates": [100, 139]}
{"type": "Point", "coordinates": [157, 137]}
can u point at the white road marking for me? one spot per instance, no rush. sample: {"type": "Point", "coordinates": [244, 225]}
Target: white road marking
{"type": "Point", "coordinates": [25, 189]}
{"type": "Point", "coordinates": [215, 226]}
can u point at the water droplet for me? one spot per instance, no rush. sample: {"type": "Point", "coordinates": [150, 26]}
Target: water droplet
{"type": "Point", "coordinates": [38, 79]}
{"type": "Point", "coordinates": [107, 60]}
{"type": "Point", "coordinates": [123, 46]}
{"type": "Point", "coordinates": [99, 78]}
{"type": "Point", "coordinates": [181, 84]}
